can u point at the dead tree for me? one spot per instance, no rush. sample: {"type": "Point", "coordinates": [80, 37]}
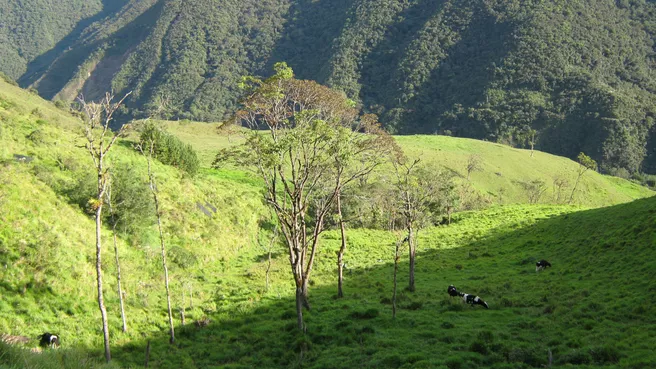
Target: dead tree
{"type": "Point", "coordinates": [99, 140]}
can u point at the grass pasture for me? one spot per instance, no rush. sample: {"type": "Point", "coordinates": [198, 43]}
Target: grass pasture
{"type": "Point", "coordinates": [593, 308]}
{"type": "Point", "coordinates": [499, 182]}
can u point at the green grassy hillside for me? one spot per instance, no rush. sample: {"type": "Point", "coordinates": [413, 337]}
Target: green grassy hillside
{"type": "Point", "coordinates": [591, 309]}
{"type": "Point", "coordinates": [504, 168]}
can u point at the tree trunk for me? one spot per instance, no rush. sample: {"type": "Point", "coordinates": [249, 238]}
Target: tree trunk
{"type": "Point", "coordinates": [342, 249]}
{"type": "Point", "coordinates": [306, 294]}
{"type": "Point", "coordinates": [299, 307]}
{"type": "Point", "coordinates": [166, 270]}
{"type": "Point", "coordinates": [266, 273]}
{"type": "Point", "coordinates": [396, 268]}
{"type": "Point", "coordinates": [118, 279]}
{"type": "Point", "coordinates": [101, 301]}
{"type": "Point", "coordinates": [413, 251]}
{"type": "Point", "coordinates": [571, 196]}
{"type": "Point", "coordinates": [153, 189]}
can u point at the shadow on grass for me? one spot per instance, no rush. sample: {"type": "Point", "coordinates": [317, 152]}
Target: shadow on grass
{"type": "Point", "coordinates": [588, 309]}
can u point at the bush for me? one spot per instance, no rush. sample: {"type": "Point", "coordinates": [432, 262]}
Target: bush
{"type": "Point", "coordinates": [606, 354]}
{"type": "Point", "coordinates": [37, 136]}
{"type": "Point", "coordinates": [369, 314]}
{"type": "Point", "coordinates": [168, 149]}
{"type": "Point", "coordinates": [132, 202]}
{"type": "Point", "coordinates": [63, 105]}
{"type": "Point", "coordinates": [576, 357]}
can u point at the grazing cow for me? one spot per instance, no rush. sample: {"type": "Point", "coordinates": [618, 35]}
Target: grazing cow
{"type": "Point", "coordinates": [542, 264]}
{"type": "Point", "coordinates": [452, 291]}
{"type": "Point", "coordinates": [472, 300]}
{"type": "Point", "coordinates": [48, 340]}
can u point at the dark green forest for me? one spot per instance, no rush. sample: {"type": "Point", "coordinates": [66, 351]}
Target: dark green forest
{"type": "Point", "coordinates": [579, 73]}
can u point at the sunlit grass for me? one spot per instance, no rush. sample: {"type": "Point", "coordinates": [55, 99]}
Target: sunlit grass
{"type": "Point", "coordinates": [589, 309]}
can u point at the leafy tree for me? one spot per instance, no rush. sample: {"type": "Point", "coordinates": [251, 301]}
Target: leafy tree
{"type": "Point", "coordinates": [168, 149]}
{"type": "Point", "coordinates": [585, 163]}
{"type": "Point", "coordinates": [307, 128]}
{"type": "Point", "coordinates": [416, 190]}
{"type": "Point", "coordinates": [356, 157]}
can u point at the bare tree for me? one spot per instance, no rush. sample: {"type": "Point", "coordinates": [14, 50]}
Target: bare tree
{"type": "Point", "coordinates": [99, 140]}
{"type": "Point", "coordinates": [118, 264]}
{"type": "Point", "coordinates": [534, 190]}
{"type": "Point", "coordinates": [560, 183]}
{"type": "Point", "coordinates": [150, 146]}
{"type": "Point", "coordinates": [474, 164]}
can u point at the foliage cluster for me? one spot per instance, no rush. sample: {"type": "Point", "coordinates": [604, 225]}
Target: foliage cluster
{"type": "Point", "coordinates": [168, 149]}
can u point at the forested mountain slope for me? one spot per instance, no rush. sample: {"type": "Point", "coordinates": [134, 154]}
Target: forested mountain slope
{"type": "Point", "coordinates": [578, 72]}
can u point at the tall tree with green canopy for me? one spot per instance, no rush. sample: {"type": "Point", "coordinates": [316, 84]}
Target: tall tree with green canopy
{"type": "Point", "coordinates": [308, 128]}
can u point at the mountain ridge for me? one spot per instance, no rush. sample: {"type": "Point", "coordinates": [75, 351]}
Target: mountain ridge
{"type": "Point", "coordinates": [578, 72]}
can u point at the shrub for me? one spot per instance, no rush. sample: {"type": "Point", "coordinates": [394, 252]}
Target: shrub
{"type": "Point", "coordinates": [576, 357]}
{"type": "Point", "coordinates": [63, 105]}
{"type": "Point", "coordinates": [169, 150]}
{"type": "Point", "coordinates": [606, 354]}
{"type": "Point", "coordinates": [132, 203]}
{"type": "Point", "coordinates": [183, 258]}
{"type": "Point", "coordinates": [368, 314]}
{"type": "Point", "coordinates": [37, 136]}
{"type": "Point", "coordinates": [392, 361]}
{"type": "Point", "coordinates": [447, 325]}
{"type": "Point", "coordinates": [478, 346]}
{"type": "Point", "coordinates": [454, 362]}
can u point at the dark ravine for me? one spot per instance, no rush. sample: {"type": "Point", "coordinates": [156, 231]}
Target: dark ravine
{"type": "Point", "coordinates": [578, 72]}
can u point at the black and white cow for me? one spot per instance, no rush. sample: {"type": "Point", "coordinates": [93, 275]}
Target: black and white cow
{"type": "Point", "coordinates": [472, 300]}
{"type": "Point", "coordinates": [452, 291]}
{"type": "Point", "coordinates": [542, 264]}
{"type": "Point", "coordinates": [48, 340]}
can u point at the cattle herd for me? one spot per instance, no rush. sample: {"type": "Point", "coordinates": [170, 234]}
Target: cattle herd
{"type": "Point", "coordinates": [49, 340]}
{"type": "Point", "coordinates": [475, 300]}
